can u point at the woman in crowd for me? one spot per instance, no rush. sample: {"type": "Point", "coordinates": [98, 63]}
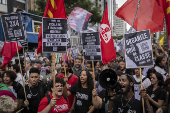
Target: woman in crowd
{"type": "Point", "coordinates": [155, 93]}
{"type": "Point", "coordinates": [160, 63]}
{"type": "Point", "coordinates": [55, 102]}
{"type": "Point", "coordinates": [83, 90]}
{"type": "Point", "coordinates": [150, 72]}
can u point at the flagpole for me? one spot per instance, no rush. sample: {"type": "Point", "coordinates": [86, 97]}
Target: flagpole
{"type": "Point", "coordinates": [94, 78]}
{"type": "Point", "coordinates": [25, 62]}
{"type": "Point", "coordinates": [140, 68]}
{"type": "Point", "coordinates": [21, 72]}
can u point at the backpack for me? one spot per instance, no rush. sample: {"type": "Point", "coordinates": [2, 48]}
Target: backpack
{"type": "Point", "coordinates": [49, 98]}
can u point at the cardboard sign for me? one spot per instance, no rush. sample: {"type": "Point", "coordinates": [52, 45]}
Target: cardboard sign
{"type": "Point", "coordinates": [138, 49]}
{"type": "Point", "coordinates": [43, 71]}
{"type": "Point", "coordinates": [12, 27]}
{"type": "Point", "coordinates": [54, 36]}
{"type": "Point", "coordinates": [24, 43]}
{"type": "Point", "coordinates": [74, 52]}
{"type": "Point", "coordinates": [91, 46]}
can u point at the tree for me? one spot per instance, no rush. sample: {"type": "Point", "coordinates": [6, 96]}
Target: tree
{"type": "Point", "coordinates": [70, 5]}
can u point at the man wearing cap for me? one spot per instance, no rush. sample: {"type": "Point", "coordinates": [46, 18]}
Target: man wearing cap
{"type": "Point", "coordinates": [125, 102]}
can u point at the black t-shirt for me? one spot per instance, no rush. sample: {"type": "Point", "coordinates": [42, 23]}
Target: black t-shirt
{"type": "Point", "coordinates": [17, 86]}
{"type": "Point", "coordinates": [158, 94]}
{"type": "Point", "coordinates": [34, 96]}
{"type": "Point", "coordinates": [132, 106]}
{"type": "Point", "coordinates": [83, 101]}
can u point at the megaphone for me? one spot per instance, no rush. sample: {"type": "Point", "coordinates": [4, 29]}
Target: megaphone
{"type": "Point", "coordinates": [108, 80]}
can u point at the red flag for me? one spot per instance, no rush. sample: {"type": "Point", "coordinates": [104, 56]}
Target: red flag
{"type": "Point", "coordinates": [53, 9]}
{"type": "Point", "coordinates": [9, 50]}
{"type": "Point", "coordinates": [149, 15]}
{"type": "Point", "coordinates": [107, 45]}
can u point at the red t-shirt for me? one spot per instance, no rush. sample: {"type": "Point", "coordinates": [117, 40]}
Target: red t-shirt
{"type": "Point", "coordinates": [72, 80]}
{"type": "Point", "coordinates": [62, 106]}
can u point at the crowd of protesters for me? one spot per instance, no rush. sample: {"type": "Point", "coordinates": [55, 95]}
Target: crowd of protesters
{"type": "Point", "coordinates": [74, 90]}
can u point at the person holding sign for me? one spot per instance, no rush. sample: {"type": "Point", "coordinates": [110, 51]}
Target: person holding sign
{"type": "Point", "coordinates": [125, 102]}
{"type": "Point", "coordinates": [55, 102]}
{"type": "Point", "coordinates": [83, 90]}
{"type": "Point", "coordinates": [72, 79]}
{"type": "Point", "coordinates": [77, 67]}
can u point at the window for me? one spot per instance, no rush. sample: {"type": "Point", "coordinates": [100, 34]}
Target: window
{"type": "Point", "coordinates": [4, 1]}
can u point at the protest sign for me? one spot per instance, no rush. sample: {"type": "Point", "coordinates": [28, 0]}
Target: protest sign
{"type": "Point", "coordinates": [74, 52]}
{"type": "Point", "coordinates": [30, 55]}
{"type": "Point", "coordinates": [68, 40]}
{"type": "Point", "coordinates": [91, 46]}
{"type": "Point", "coordinates": [43, 71]}
{"type": "Point", "coordinates": [12, 27]}
{"type": "Point", "coordinates": [138, 49]}
{"type": "Point", "coordinates": [24, 43]}
{"type": "Point", "coordinates": [54, 35]}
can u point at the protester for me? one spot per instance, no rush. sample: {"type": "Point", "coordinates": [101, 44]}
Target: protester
{"type": "Point", "coordinates": [155, 93]}
{"type": "Point", "coordinates": [16, 69]}
{"type": "Point", "coordinates": [0, 78]}
{"type": "Point", "coordinates": [145, 81]}
{"type": "Point", "coordinates": [1, 70]}
{"type": "Point", "coordinates": [77, 67]}
{"type": "Point", "coordinates": [83, 90]}
{"type": "Point", "coordinates": [35, 91]}
{"type": "Point", "coordinates": [9, 80]}
{"type": "Point", "coordinates": [160, 63]}
{"type": "Point", "coordinates": [123, 67]}
{"type": "Point", "coordinates": [88, 65]}
{"type": "Point", "coordinates": [150, 72]}
{"type": "Point", "coordinates": [72, 79]}
{"type": "Point", "coordinates": [58, 69]}
{"type": "Point", "coordinates": [125, 102]}
{"type": "Point", "coordinates": [55, 102]}
{"type": "Point", "coordinates": [165, 108]}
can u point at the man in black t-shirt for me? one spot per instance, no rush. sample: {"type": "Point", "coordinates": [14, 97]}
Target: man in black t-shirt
{"type": "Point", "coordinates": [125, 101]}
{"type": "Point", "coordinates": [35, 91]}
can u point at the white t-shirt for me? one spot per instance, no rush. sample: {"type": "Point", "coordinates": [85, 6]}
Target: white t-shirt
{"type": "Point", "coordinates": [161, 71]}
{"type": "Point", "coordinates": [19, 79]}
{"type": "Point", "coordinates": [145, 83]}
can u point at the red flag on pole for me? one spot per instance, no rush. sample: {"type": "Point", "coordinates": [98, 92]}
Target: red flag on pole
{"type": "Point", "coordinates": [149, 15]}
{"type": "Point", "coordinates": [53, 9]}
{"type": "Point", "coordinates": [107, 45]}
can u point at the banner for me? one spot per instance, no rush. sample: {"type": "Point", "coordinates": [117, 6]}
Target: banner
{"type": "Point", "coordinates": [54, 35]}
{"type": "Point", "coordinates": [12, 27]}
{"type": "Point", "coordinates": [74, 52]}
{"type": "Point", "coordinates": [91, 46]}
{"type": "Point", "coordinates": [79, 18]}
{"type": "Point", "coordinates": [138, 49]}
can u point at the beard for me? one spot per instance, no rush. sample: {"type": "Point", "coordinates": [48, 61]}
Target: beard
{"type": "Point", "coordinates": [127, 90]}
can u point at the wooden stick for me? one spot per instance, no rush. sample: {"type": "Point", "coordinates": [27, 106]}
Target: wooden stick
{"type": "Point", "coordinates": [25, 62]}
{"type": "Point", "coordinates": [21, 72]}
{"type": "Point", "coordinates": [142, 88]}
{"type": "Point", "coordinates": [64, 66]}
{"type": "Point", "coordinates": [53, 69]}
{"type": "Point", "coordinates": [20, 110]}
{"type": "Point", "coordinates": [94, 78]}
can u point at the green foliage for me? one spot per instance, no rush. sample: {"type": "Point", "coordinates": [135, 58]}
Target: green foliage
{"type": "Point", "coordinates": [70, 5]}
{"type": "Point", "coordinates": [118, 37]}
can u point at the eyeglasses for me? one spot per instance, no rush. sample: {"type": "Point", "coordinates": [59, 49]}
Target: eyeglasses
{"type": "Point", "coordinates": [61, 86]}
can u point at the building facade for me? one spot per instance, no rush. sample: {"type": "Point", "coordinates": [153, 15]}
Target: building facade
{"type": "Point", "coordinates": [3, 7]}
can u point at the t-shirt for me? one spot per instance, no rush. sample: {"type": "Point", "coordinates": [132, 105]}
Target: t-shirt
{"type": "Point", "coordinates": [145, 83]}
{"type": "Point", "coordinates": [62, 106]}
{"type": "Point", "coordinates": [158, 94]}
{"type": "Point", "coordinates": [19, 79]}
{"type": "Point", "coordinates": [71, 81]}
{"type": "Point", "coordinates": [34, 96]}
{"type": "Point", "coordinates": [83, 101]}
{"type": "Point", "coordinates": [161, 71]}
{"type": "Point", "coordinates": [133, 105]}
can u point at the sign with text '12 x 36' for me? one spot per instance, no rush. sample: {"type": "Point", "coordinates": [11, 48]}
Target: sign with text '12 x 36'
{"type": "Point", "coordinates": [138, 49]}
{"type": "Point", "coordinates": [12, 27]}
{"type": "Point", "coordinates": [91, 46]}
{"type": "Point", "coordinates": [54, 35]}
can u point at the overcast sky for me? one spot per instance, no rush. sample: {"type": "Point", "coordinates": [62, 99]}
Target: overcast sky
{"type": "Point", "coordinates": [120, 2]}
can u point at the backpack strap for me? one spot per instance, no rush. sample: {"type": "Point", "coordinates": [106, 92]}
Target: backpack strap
{"type": "Point", "coordinates": [48, 98]}
{"type": "Point", "coordinates": [65, 97]}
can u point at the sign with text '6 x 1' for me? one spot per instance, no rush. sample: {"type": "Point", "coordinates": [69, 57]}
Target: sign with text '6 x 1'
{"type": "Point", "coordinates": [138, 49]}
{"type": "Point", "coordinates": [54, 35]}
{"type": "Point", "coordinates": [91, 46]}
{"type": "Point", "coordinates": [12, 27]}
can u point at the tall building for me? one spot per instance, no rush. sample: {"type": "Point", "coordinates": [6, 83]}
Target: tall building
{"type": "Point", "coordinates": [99, 3]}
{"type": "Point", "coordinates": [119, 25]}
{"type": "Point", "coordinates": [3, 6]}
